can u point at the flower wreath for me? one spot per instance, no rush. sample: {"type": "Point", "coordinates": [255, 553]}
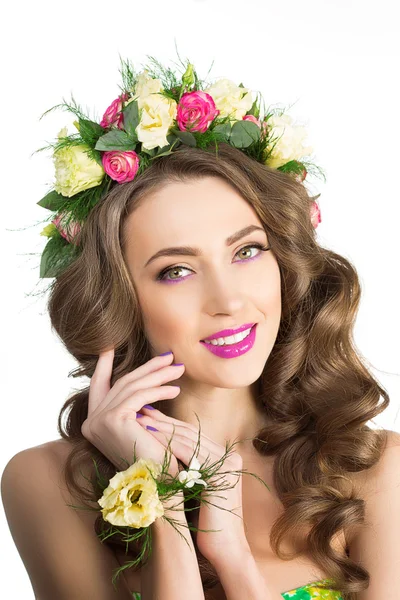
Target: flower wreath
{"type": "Point", "coordinates": [157, 111]}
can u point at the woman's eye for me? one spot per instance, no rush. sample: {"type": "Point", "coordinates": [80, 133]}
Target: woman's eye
{"type": "Point", "coordinates": [164, 272]}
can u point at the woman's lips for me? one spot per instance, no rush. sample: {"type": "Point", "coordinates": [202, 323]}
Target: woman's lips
{"type": "Point", "coordinates": [233, 350]}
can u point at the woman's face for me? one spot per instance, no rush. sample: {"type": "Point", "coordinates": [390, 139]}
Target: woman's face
{"type": "Point", "coordinates": [225, 286]}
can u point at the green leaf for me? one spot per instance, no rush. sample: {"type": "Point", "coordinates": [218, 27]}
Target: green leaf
{"type": "Point", "coordinates": [131, 118]}
{"type": "Point", "coordinates": [224, 131]}
{"type": "Point", "coordinates": [149, 151]}
{"type": "Point", "coordinates": [185, 136]}
{"type": "Point", "coordinates": [255, 111]}
{"type": "Point", "coordinates": [293, 166]}
{"type": "Point", "coordinates": [52, 201]}
{"type": "Point", "coordinates": [165, 150]}
{"type": "Point", "coordinates": [115, 140]}
{"type": "Point", "coordinates": [97, 157]}
{"type": "Point", "coordinates": [56, 256]}
{"type": "Point", "coordinates": [244, 133]}
{"type": "Point", "coordinates": [90, 131]}
{"type": "Point", "coordinates": [173, 142]}
{"type": "Point", "coordinates": [44, 262]}
{"type": "Point", "coordinates": [47, 267]}
{"type": "Point", "coordinates": [171, 139]}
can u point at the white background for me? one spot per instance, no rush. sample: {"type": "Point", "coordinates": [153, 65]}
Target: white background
{"type": "Point", "coordinates": [336, 60]}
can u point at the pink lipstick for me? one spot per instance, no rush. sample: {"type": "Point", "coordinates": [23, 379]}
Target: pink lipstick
{"type": "Point", "coordinates": [233, 350]}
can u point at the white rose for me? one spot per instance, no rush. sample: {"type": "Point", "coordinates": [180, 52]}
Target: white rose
{"type": "Point", "coordinates": [157, 116]}
{"type": "Point", "coordinates": [230, 99]}
{"type": "Point", "coordinates": [290, 144]}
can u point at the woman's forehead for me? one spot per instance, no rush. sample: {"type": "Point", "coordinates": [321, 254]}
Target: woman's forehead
{"type": "Point", "coordinates": [210, 202]}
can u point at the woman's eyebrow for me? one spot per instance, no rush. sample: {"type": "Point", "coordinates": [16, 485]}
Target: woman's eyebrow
{"type": "Point", "coordinates": [190, 251]}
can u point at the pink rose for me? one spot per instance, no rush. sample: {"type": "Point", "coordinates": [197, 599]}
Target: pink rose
{"type": "Point", "coordinates": [121, 166]}
{"type": "Point", "coordinates": [315, 214]}
{"type": "Point", "coordinates": [68, 232]}
{"type": "Point", "coordinates": [113, 114]}
{"type": "Point", "coordinates": [195, 112]}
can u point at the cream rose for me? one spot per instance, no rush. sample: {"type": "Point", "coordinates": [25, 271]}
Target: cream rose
{"type": "Point", "coordinates": [74, 170]}
{"type": "Point", "coordinates": [157, 116]}
{"type": "Point", "coordinates": [131, 498]}
{"type": "Point", "coordinates": [230, 99]}
{"type": "Point", "coordinates": [290, 145]}
{"type": "Point", "coordinates": [145, 85]}
{"type": "Point", "coordinates": [158, 111]}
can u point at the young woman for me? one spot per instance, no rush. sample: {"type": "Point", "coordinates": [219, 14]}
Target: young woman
{"type": "Point", "coordinates": [199, 246]}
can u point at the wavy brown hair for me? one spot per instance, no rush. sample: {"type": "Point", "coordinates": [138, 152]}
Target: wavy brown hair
{"type": "Point", "coordinates": [314, 387]}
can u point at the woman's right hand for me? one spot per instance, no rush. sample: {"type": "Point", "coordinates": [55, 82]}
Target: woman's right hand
{"type": "Point", "coordinates": [111, 421]}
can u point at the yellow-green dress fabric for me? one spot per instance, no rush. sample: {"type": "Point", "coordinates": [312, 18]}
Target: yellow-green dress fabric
{"type": "Point", "coordinates": [310, 591]}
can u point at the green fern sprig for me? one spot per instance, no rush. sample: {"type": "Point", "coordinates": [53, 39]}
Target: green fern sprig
{"type": "Point", "coordinates": [72, 107]}
{"type": "Point", "coordinates": [166, 75]}
{"type": "Point", "coordinates": [73, 139]}
{"type": "Point", "coordinates": [128, 75]}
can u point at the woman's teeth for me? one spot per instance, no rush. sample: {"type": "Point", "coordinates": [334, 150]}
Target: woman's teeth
{"type": "Point", "coordinates": [231, 339]}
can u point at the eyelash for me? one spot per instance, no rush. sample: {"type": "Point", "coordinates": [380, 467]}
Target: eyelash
{"type": "Point", "coordinates": [160, 276]}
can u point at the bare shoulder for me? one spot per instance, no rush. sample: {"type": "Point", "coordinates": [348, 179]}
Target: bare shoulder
{"type": "Point", "coordinates": [367, 482]}
{"type": "Point", "coordinates": [374, 545]}
{"type": "Point", "coordinates": [42, 463]}
{"type": "Point", "coordinates": [49, 456]}
{"type": "Point", "coordinates": [49, 453]}
{"type": "Point", "coordinates": [54, 539]}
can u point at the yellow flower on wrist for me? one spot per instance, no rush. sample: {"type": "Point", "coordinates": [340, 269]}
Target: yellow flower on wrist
{"type": "Point", "coordinates": [131, 498]}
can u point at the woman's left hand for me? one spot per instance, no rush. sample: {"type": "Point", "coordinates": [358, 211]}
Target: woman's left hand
{"type": "Point", "coordinates": [226, 515]}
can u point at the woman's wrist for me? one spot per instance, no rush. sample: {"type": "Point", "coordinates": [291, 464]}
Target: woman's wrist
{"type": "Point", "coordinates": [174, 508]}
{"type": "Point", "coordinates": [176, 574]}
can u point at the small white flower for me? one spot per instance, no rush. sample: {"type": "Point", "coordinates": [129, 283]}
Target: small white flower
{"type": "Point", "coordinates": [193, 475]}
